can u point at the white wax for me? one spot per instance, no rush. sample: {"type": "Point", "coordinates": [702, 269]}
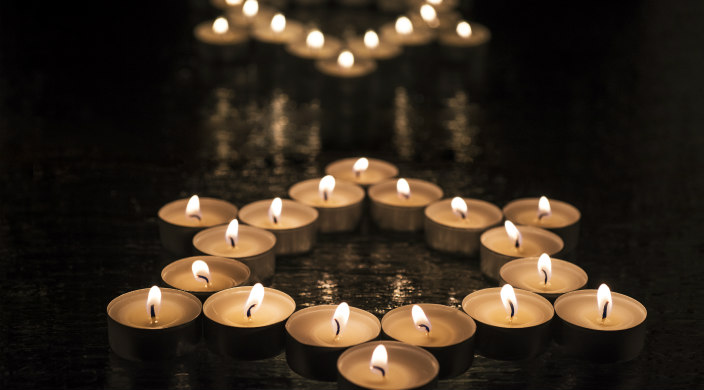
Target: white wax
{"type": "Point", "coordinates": [233, 36]}
{"type": "Point", "coordinates": [535, 242]}
{"type": "Point", "coordinates": [480, 35]}
{"type": "Point", "coordinates": [252, 242]}
{"type": "Point", "coordinates": [525, 212]}
{"type": "Point", "coordinates": [420, 36]}
{"type": "Point", "coordinates": [580, 308]}
{"type": "Point", "coordinates": [377, 171]}
{"type": "Point", "coordinates": [312, 326]}
{"type": "Point", "coordinates": [224, 273]}
{"type": "Point", "coordinates": [480, 214]}
{"type": "Point", "coordinates": [382, 52]}
{"type": "Point", "coordinates": [293, 31]}
{"type": "Point", "coordinates": [331, 48]}
{"type": "Point", "coordinates": [177, 308]}
{"type": "Point", "coordinates": [293, 215]}
{"type": "Point", "coordinates": [227, 307]}
{"type": "Point", "coordinates": [523, 273]}
{"type": "Point", "coordinates": [214, 212]}
{"type": "Point", "coordinates": [345, 194]}
{"type": "Point", "coordinates": [449, 326]}
{"type": "Point", "coordinates": [486, 307]}
{"type": "Point", "coordinates": [422, 193]}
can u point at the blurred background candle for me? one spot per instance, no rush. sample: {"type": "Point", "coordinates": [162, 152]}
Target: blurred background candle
{"type": "Point", "coordinates": [250, 15]}
{"type": "Point", "coordinates": [556, 216]}
{"type": "Point", "coordinates": [294, 224]}
{"type": "Point", "coordinates": [363, 171]}
{"type": "Point", "coordinates": [398, 205]}
{"type": "Point", "coordinates": [543, 275]}
{"type": "Point", "coordinates": [339, 203]}
{"type": "Point", "coordinates": [464, 48]}
{"type": "Point", "coordinates": [204, 275]}
{"type": "Point", "coordinates": [218, 41]}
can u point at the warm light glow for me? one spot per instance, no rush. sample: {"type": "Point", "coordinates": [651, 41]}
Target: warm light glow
{"type": "Point", "coordinates": [193, 208]}
{"type": "Point", "coordinates": [232, 233]}
{"type": "Point", "coordinates": [233, 2]}
{"type": "Point", "coordinates": [404, 26]}
{"type": "Point", "coordinates": [339, 319]}
{"type": "Point", "coordinates": [278, 23]}
{"type": "Point", "coordinates": [326, 186]}
{"type": "Point", "coordinates": [360, 166]}
{"type": "Point", "coordinates": [420, 320]}
{"type": "Point", "coordinates": [544, 209]}
{"type": "Point", "coordinates": [603, 301]}
{"type": "Point", "coordinates": [403, 189]}
{"type": "Point", "coordinates": [250, 8]}
{"type": "Point", "coordinates": [346, 59]}
{"type": "Point", "coordinates": [254, 301]}
{"type": "Point", "coordinates": [459, 207]}
{"type": "Point", "coordinates": [379, 364]}
{"type": "Point", "coordinates": [154, 303]}
{"type": "Point", "coordinates": [508, 298]}
{"type": "Point", "coordinates": [434, 2]}
{"type": "Point", "coordinates": [513, 234]}
{"type": "Point", "coordinates": [464, 30]}
{"type": "Point", "coordinates": [315, 39]}
{"type": "Point", "coordinates": [201, 271]}
{"type": "Point", "coordinates": [545, 267]}
{"type": "Point", "coordinates": [371, 39]}
{"type": "Point", "coordinates": [275, 210]}
{"type": "Point", "coordinates": [220, 25]}
{"type": "Point", "coordinates": [428, 14]}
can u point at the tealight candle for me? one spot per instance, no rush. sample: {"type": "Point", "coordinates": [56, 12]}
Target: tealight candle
{"type": "Point", "coordinates": [455, 225]}
{"type": "Point", "coordinates": [250, 245]}
{"type": "Point", "coordinates": [445, 332]}
{"type": "Point", "coordinates": [247, 322]}
{"type": "Point", "coordinates": [346, 66]}
{"type": "Point", "coordinates": [599, 325]}
{"type": "Point", "coordinates": [512, 323]}
{"type": "Point", "coordinates": [398, 204]}
{"type": "Point", "coordinates": [508, 242]}
{"type": "Point", "coordinates": [220, 41]}
{"type": "Point", "coordinates": [317, 335]}
{"type": "Point", "coordinates": [370, 46]}
{"type": "Point", "coordinates": [544, 276]}
{"type": "Point", "coordinates": [387, 365]}
{"type": "Point", "coordinates": [363, 171]}
{"type": "Point", "coordinates": [339, 203]}
{"type": "Point", "coordinates": [279, 31]}
{"type": "Point", "coordinates": [294, 224]}
{"type": "Point", "coordinates": [250, 15]}
{"type": "Point", "coordinates": [181, 219]}
{"type": "Point", "coordinates": [430, 16]}
{"type": "Point", "coordinates": [151, 324]}
{"type": "Point", "coordinates": [403, 33]}
{"type": "Point", "coordinates": [204, 275]}
{"type": "Point", "coordinates": [556, 216]}
{"type": "Point", "coordinates": [465, 43]}
{"type": "Point", "coordinates": [316, 46]}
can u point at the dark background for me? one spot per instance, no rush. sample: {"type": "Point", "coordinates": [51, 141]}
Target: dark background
{"type": "Point", "coordinates": [107, 113]}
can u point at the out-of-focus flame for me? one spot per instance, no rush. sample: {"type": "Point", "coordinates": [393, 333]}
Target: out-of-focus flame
{"type": "Point", "coordinates": [220, 25]}
{"type": "Point", "coordinates": [193, 206]}
{"type": "Point", "coordinates": [326, 186]}
{"type": "Point", "coordinates": [346, 59]}
{"type": "Point", "coordinates": [459, 207]}
{"type": "Point", "coordinates": [275, 210]}
{"type": "Point", "coordinates": [233, 2]}
{"type": "Point", "coordinates": [379, 364]}
{"type": "Point", "coordinates": [429, 15]}
{"type": "Point", "coordinates": [315, 39]}
{"type": "Point", "coordinates": [250, 8]}
{"type": "Point", "coordinates": [254, 301]}
{"type": "Point", "coordinates": [420, 320]}
{"type": "Point", "coordinates": [508, 298]}
{"type": "Point", "coordinates": [544, 209]}
{"type": "Point", "coordinates": [513, 234]}
{"type": "Point", "coordinates": [464, 30]}
{"type": "Point", "coordinates": [404, 26]}
{"type": "Point", "coordinates": [545, 267]}
{"type": "Point", "coordinates": [604, 302]}
{"type": "Point", "coordinates": [434, 2]}
{"type": "Point", "coordinates": [232, 233]}
{"type": "Point", "coordinates": [154, 303]}
{"type": "Point", "coordinates": [403, 189]}
{"type": "Point", "coordinates": [360, 166]}
{"type": "Point", "coordinates": [278, 23]}
{"type": "Point", "coordinates": [371, 39]}
{"type": "Point", "coordinates": [340, 318]}
{"type": "Point", "coordinates": [201, 272]}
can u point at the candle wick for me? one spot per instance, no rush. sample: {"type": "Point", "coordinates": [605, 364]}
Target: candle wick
{"type": "Point", "coordinates": [152, 312]}
{"type": "Point", "coordinates": [337, 330]}
{"type": "Point", "coordinates": [406, 196]}
{"type": "Point", "coordinates": [426, 327]}
{"type": "Point", "coordinates": [603, 314]}
{"type": "Point", "coordinates": [204, 278]}
{"type": "Point", "coordinates": [196, 216]}
{"type": "Point", "coordinates": [463, 215]}
{"type": "Point", "coordinates": [276, 220]}
{"type": "Point", "coordinates": [541, 215]}
{"type": "Point", "coordinates": [518, 244]}
{"type": "Point", "coordinates": [325, 196]}
{"type": "Point", "coordinates": [357, 174]}
{"type": "Point", "coordinates": [232, 242]}
{"type": "Point", "coordinates": [249, 311]}
{"type": "Point", "coordinates": [513, 310]}
{"type": "Point", "coordinates": [546, 276]}
{"type": "Point", "coordinates": [383, 372]}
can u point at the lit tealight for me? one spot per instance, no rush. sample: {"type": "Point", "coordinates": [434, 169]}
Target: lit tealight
{"type": "Point", "coordinates": [278, 23]}
{"type": "Point", "coordinates": [345, 59]}
{"type": "Point", "coordinates": [326, 186]}
{"type": "Point", "coordinates": [379, 364]}
{"type": "Point", "coordinates": [420, 320]}
{"type": "Point", "coordinates": [340, 318]}
{"type": "Point", "coordinates": [193, 206]}
{"type": "Point", "coordinates": [459, 207]}
{"type": "Point", "coordinates": [315, 39]}
{"type": "Point", "coordinates": [361, 165]}
{"type": "Point", "coordinates": [201, 272]}
{"type": "Point", "coordinates": [371, 39]}
{"type": "Point", "coordinates": [544, 209]}
{"type": "Point", "coordinates": [275, 210]}
{"type": "Point", "coordinates": [545, 268]}
{"type": "Point", "coordinates": [232, 233]}
{"type": "Point", "coordinates": [220, 25]}
{"type": "Point", "coordinates": [429, 15]}
{"type": "Point", "coordinates": [403, 190]}
{"type": "Point", "coordinates": [508, 298]}
{"type": "Point", "coordinates": [250, 8]}
{"type": "Point", "coordinates": [404, 26]}
{"type": "Point", "coordinates": [513, 234]}
{"type": "Point", "coordinates": [464, 30]}
{"type": "Point", "coordinates": [604, 302]}
{"type": "Point", "coordinates": [154, 303]}
{"type": "Point", "coordinates": [254, 301]}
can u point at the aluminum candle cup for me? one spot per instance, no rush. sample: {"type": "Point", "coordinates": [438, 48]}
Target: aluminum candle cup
{"type": "Point", "coordinates": [408, 367]}
{"type": "Point", "coordinates": [229, 332]}
{"type": "Point", "coordinates": [177, 230]}
{"type": "Point", "coordinates": [524, 274]}
{"type": "Point", "coordinates": [498, 337]}
{"type": "Point", "coordinates": [255, 248]}
{"type": "Point", "coordinates": [497, 248]}
{"type": "Point", "coordinates": [563, 220]}
{"type": "Point", "coordinates": [581, 332]}
{"type": "Point", "coordinates": [295, 232]}
{"type": "Point", "coordinates": [219, 41]}
{"type": "Point", "coordinates": [133, 336]}
{"type": "Point", "coordinates": [312, 349]}
{"type": "Point", "coordinates": [341, 212]}
{"type": "Point", "coordinates": [393, 212]}
{"type": "Point", "coordinates": [221, 274]}
{"type": "Point", "coordinates": [448, 231]}
{"type": "Point", "coordinates": [375, 171]}
{"type": "Point", "coordinates": [450, 340]}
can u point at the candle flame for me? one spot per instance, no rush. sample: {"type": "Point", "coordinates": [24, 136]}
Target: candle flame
{"type": "Point", "coordinates": [513, 234]}
{"type": "Point", "coordinates": [403, 189]}
{"type": "Point", "coordinates": [404, 26]}
{"type": "Point", "coordinates": [604, 302]}
{"type": "Point", "coordinates": [429, 15]}
{"type": "Point", "coordinates": [220, 25]}
{"type": "Point", "coordinates": [232, 234]}
{"type": "Point", "coordinates": [278, 23]}
{"type": "Point", "coordinates": [379, 364]}
{"type": "Point", "coordinates": [154, 303]}
{"type": "Point", "coordinates": [420, 320]}
{"type": "Point", "coordinates": [193, 207]}
{"type": "Point", "coordinates": [201, 272]}
{"type": "Point", "coordinates": [326, 186]}
{"type": "Point", "coordinates": [545, 268]}
{"type": "Point", "coordinates": [544, 209]}
{"type": "Point", "coordinates": [360, 166]}
{"type": "Point", "coordinates": [508, 298]}
{"type": "Point", "coordinates": [233, 2]}
{"type": "Point", "coordinates": [275, 210]}
{"type": "Point", "coordinates": [346, 59]}
{"type": "Point", "coordinates": [434, 2]}
{"type": "Point", "coordinates": [340, 318]}
{"type": "Point", "coordinates": [315, 39]}
{"type": "Point", "coordinates": [459, 207]}
{"type": "Point", "coordinates": [254, 301]}
{"type": "Point", "coordinates": [250, 8]}
{"type": "Point", "coordinates": [464, 30]}
{"type": "Point", "coordinates": [371, 39]}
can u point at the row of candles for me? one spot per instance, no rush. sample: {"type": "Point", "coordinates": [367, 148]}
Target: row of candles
{"type": "Point", "coordinates": [326, 342]}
